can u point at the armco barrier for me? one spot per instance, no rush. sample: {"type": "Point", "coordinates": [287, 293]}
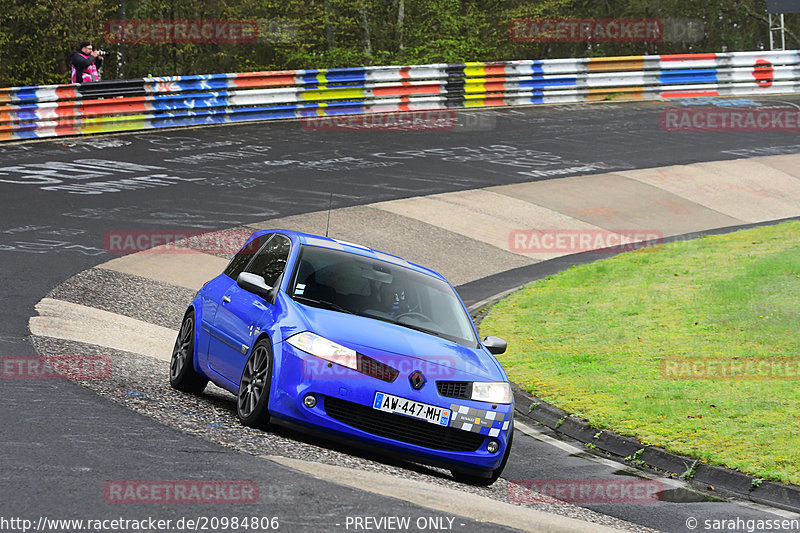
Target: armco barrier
{"type": "Point", "coordinates": [108, 106]}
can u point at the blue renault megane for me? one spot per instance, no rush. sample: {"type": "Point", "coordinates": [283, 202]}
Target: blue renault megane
{"type": "Point", "coordinates": [329, 336]}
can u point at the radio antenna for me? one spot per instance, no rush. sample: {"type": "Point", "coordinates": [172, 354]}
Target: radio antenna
{"type": "Point", "coordinates": [330, 204]}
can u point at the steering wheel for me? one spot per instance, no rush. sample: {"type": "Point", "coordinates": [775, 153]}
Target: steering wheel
{"type": "Point", "coordinates": [414, 313]}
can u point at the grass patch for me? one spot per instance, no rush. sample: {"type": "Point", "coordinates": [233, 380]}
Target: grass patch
{"type": "Point", "coordinates": [593, 339]}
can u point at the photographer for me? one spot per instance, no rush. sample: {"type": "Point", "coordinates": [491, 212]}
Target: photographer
{"type": "Point", "coordinates": [85, 63]}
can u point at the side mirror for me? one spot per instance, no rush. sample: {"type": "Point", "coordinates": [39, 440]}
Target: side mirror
{"type": "Point", "coordinates": [255, 284]}
{"type": "Point", "coordinates": [495, 345]}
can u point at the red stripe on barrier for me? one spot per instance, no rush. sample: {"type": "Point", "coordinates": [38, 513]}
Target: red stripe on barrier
{"type": "Point", "coordinates": [687, 57]}
{"type": "Point", "coordinates": [689, 94]}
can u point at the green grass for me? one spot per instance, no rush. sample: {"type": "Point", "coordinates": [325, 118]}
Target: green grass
{"type": "Point", "coordinates": [592, 339]}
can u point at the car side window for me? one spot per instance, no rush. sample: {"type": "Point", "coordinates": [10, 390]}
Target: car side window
{"type": "Point", "coordinates": [237, 264]}
{"type": "Point", "coordinates": [271, 260]}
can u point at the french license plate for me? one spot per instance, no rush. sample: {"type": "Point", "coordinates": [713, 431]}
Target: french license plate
{"type": "Point", "coordinates": [402, 406]}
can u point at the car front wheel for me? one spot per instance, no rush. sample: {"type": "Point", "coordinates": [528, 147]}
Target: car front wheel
{"type": "Point", "coordinates": [253, 397]}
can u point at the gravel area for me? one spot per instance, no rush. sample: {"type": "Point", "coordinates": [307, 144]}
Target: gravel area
{"type": "Point", "coordinates": [141, 384]}
{"type": "Point", "coordinates": [132, 296]}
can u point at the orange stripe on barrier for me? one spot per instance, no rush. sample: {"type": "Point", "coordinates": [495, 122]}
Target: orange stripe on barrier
{"type": "Point", "coordinates": [494, 69]}
{"type": "Point", "coordinates": [271, 81]}
{"type": "Point", "coordinates": [688, 57]}
{"type": "Point", "coordinates": [65, 93]}
{"type": "Point", "coordinates": [606, 64]}
{"type": "Point", "coordinates": [432, 88]}
{"type": "Point", "coordinates": [495, 87]}
{"type": "Point", "coordinates": [4, 96]}
{"type": "Point", "coordinates": [6, 136]}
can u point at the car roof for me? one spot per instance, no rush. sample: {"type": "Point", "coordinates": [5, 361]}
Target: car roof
{"type": "Point", "coordinates": [336, 244]}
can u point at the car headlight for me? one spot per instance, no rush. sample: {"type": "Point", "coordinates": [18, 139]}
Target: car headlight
{"type": "Point", "coordinates": [493, 392]}
{"type": "Point", "coordinates": [324, 349]}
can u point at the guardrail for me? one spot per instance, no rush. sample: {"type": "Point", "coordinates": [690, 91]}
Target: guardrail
{"type": "Point", "coordinates": [143, 103]}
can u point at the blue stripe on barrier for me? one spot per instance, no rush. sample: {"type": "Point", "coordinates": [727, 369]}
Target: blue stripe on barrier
{"type": "Point", "coordinates": [189, 103]}
{"type": "Point", "coordinates": [708, 75]}
{"type": "Point", "coordinates": [24, 93]}
{"type": "Point", "coordinates": [545, 83]}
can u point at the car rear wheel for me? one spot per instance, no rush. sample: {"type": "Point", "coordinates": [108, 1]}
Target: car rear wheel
{"type": "Point", "coordinates": [479, 480]}
{"type": "Point", "coordinates": [253, 397]}
{"type": "Point", "coordinates": [182, 375]}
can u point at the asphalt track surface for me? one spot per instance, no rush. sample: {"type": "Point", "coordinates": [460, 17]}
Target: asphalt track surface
{"type": "Point", "coordinates": [61, 442]}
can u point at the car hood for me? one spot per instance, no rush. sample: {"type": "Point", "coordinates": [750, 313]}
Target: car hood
{"type": "Point", "coordinates": [385, 342]}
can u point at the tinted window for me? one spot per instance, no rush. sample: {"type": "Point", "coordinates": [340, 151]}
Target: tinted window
{"type": "Point", "coordinates": [237, 264]}
{"type": "Point", "coordinates": [377, 289]}
{"type": "Point", "coordinates": [271, 260]}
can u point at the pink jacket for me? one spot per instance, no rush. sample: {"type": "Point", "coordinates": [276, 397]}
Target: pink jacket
{"type": "Point", "coordinates": [86, 66]}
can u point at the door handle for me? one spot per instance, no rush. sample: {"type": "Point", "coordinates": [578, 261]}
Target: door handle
{"type": "Point", "coordinates": [226, 299]}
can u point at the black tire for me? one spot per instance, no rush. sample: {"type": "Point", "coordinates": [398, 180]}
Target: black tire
{"type": "Point", "coordinates": [481, 481]}
{"type": "Point", "coordinates": [253, 399]}
{"type": "Point", "coordinates": [182, 375]}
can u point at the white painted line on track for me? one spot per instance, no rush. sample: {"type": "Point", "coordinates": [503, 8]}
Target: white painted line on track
{"type": "Point", "coordinates": [80, 323]}
{"type": "Point", "coordinates": [444, 499]}
{"type": "Point", "coordinates": [188, 270]}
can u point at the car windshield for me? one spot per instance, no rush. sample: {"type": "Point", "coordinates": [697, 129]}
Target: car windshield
{"type": "Point", "coordinates": [364, 286]}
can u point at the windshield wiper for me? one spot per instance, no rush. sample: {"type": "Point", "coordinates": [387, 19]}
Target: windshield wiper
{"type": "Point", "coordinates": [409, 326]}
{"type": "Point", "coordinates": [418, 328]}
{"type": "Point", "coordinates": [325, 303]}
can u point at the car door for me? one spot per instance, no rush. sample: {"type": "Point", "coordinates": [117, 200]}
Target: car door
{"type": "Point", "coordinates": [213, 292]}
{"type": "Point", "coordinates": [242, 315]}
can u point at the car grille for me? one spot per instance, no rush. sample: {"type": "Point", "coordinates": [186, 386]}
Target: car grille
{"type": "Point", "coordinates": [402, 428]}
{"type": "Point", "coordinates": [376, 369]}
{"type": "Point", "coordinates": [455, 389]}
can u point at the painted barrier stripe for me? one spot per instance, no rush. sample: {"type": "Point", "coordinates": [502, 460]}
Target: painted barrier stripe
{"type": "Point", "coordinates": [49, 110]}
{"type": "Point", "coordinates": [688, 57]}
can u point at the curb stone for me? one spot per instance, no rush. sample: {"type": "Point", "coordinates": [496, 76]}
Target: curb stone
{"type": "Point", "coordinates": [619, 447]}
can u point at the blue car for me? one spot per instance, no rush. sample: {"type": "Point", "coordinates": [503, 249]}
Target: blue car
{"type": "Point", "coordinates": [328, 336]}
